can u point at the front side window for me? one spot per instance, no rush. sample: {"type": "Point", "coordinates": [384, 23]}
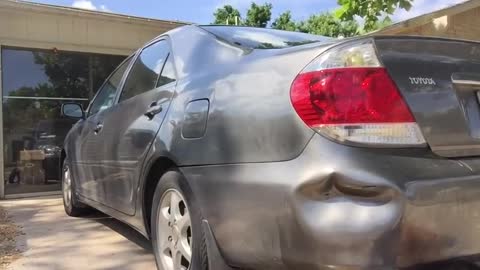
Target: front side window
{"type": "Point", "coordinates": [144, 73]}
{"type": "Point", "coordinates": [106, 95]}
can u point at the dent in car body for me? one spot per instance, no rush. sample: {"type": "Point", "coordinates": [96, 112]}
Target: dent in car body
{"type": "Point", "coordinates": [341, 206]}
{"type": "Point", "coordinates": [249, 94]}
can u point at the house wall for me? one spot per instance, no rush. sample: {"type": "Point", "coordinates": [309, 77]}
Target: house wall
{"type": "Point", "coordinates": [464, 25]}
{"type": "Point", "coordinates": [39, 26]}
{"type": "Point", "coordinates": [36, 26]}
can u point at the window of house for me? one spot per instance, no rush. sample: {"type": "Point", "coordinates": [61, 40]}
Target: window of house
{"type": "Point", "coordinates": [35, 84]}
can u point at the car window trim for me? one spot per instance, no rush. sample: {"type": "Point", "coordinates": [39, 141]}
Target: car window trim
{"type": "Point", "coordinates": [137, 55]}
{"type": "Point", "coordinates": [161, 71]}
{"type": "Point", "coordinates": [170, 54]}
{"type": "Point", "coordinates": [132, 56]}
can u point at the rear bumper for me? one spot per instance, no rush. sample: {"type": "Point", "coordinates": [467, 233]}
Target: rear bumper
{"type": "Point", "coordinates": [340, 206]}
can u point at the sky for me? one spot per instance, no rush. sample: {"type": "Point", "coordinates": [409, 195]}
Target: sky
{"type": "Point", "coordinates": [201, 11]}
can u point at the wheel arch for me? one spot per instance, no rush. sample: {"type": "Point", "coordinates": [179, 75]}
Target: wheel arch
{"type": "Point", "coordinates": [158, 167]}
{"type": "Point", "coordinates": [63, 156]}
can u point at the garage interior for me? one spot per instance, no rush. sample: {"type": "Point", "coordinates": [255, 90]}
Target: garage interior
{"type": "Point", "coordinates": [51, 55]}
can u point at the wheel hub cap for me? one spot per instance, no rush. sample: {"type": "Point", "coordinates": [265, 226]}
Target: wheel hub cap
{"type": "Point", "coordinates": [174, 233]}
{"type": "Point", "coordinates": [67, 187]}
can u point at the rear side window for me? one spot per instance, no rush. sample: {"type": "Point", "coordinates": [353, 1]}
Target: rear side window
{"type": "Point", "coordinates": [146, 70]}
{"type": "Point", "coordinates": [262, 38]}
{"type": "Point", "coordinates": [168, 72]}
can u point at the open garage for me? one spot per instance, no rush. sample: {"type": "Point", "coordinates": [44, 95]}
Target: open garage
{"type": "Point", "coordinates": [51, 55]}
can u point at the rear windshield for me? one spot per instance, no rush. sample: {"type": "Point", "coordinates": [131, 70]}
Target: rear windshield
{"type": "Point", "coordinates": [261, 38]}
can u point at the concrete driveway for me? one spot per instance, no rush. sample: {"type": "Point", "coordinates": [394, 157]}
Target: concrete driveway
{"type": "Point", "coordinates": [52, 240]}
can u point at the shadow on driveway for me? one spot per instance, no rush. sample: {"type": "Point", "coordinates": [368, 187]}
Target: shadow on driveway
{"type": "Point", "coordinates": [52, 240]}
{"type": "Point", "coordinates": [123, 229]}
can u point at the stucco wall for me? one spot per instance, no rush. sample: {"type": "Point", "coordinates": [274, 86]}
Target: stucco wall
{"type": "Point", "coordinates": [38, 26]}
{"type": "Point", "coordinates": [29, 25]}
{"type": "Point", "coordinates": [463, 25]}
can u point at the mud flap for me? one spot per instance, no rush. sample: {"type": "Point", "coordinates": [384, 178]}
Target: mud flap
{"type": "Point", "coordinates": [215, 259]}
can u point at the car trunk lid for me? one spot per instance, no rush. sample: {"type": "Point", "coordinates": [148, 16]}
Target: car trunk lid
{"type": "Point", "coordinates": [440, 81]}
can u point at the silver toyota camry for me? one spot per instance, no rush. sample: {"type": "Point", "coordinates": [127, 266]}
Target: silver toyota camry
{"type": "Point", "coordinates": [235, 147]}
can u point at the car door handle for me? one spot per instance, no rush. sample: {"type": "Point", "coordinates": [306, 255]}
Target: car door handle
{"type": "Point", "coordinates": [154, 109]}
{"type": "Point", "coordinates": [98, 128]}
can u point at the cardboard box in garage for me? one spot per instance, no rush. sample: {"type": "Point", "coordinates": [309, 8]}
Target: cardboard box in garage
{"type": "Point", "coordinates": [28, 155]}
{"type": "Point", "coordinates": [31, 167]}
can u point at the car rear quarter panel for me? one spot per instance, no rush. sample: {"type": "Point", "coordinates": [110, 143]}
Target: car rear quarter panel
{"type": "Point", "coordinates": [250, 118]}
{"type": "Point", "coordinates": [341, 207]}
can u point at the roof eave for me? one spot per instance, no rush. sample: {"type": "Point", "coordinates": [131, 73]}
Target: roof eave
{"type": "Point", "coordinates": [429, 17]}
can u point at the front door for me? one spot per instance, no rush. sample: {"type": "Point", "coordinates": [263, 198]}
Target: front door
{"type": "Point", "coordinates": [130, 127]}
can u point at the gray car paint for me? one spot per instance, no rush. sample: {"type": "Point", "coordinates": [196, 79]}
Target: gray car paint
{"type": "Point", "coordinates": [278, 196]}
{"type": "Point", "coordinates": [87, 159]}
{"type": "Point", "coordinates": [447, 112]}
{"type": "Point", "coordinates": [195, 119]}
{"type": "Point", "coordinates": [341, 206]}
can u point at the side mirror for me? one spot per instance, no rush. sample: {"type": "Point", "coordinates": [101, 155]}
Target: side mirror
{"type": "Point", "coordinates": [73, 110]}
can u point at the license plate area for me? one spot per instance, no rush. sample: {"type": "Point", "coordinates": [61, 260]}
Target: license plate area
{"type": "Point", "coordinates": [467, 88]}
{"type": "Point", "coordinates": [441, 220]}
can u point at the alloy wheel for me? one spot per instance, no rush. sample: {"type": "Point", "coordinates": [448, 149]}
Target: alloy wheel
{"type": "Point", "coordinates": [174, 232]}
{"type": "Point", "coordinates": [67, 187]}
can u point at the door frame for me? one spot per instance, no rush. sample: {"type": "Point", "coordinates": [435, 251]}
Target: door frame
{"type": "Point", "coordinates": [2, 163]}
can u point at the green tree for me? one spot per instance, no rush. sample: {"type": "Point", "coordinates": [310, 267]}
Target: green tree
{"type": "Point", "coordinates": [326, 24]}
{"type": "Point", "coordinates": [227, 15]}
{"type": "Point", "coordinates": [67, 75]}
{"type": "Point", "coordinates": [369, 10]}
{"type": "Point", "coordinates": [382, 24]}
{"type": "Point", "coordinates": [284, 22]}
{"type": "Point", "coordinates": [259, 15]}
{"type": "Point", "coordinates": [25, 113]}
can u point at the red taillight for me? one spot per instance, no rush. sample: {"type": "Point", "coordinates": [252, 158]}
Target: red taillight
{"type": "Point", "coordinates": [348, 95]}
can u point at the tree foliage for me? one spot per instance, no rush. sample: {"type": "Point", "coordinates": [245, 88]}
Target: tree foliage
{"type": "Point", "coordinates": [369, 10]}
{"type": "Point", "coordinates": [67, 75]}
{"type": "Point", "coordinates": [284, 22]}
{"type": "Point", "coordinates": [226, 15]}
{"type": "Point", "coordinates": [327, 25]}
{"type": "Point", "coordinates": [342, 23]}
{"type": "Point", "coordinates": [378, 25]}
{"type": "Point", "coordinates": [259, 15]}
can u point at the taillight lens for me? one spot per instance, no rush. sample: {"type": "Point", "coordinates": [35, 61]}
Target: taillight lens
{"type": "Point", "coordinates": [348, 96]}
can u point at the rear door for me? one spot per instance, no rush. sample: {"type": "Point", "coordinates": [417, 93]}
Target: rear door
{"type": "Point", "coordinates": [130, 127]}
{"type": "Point", "coordinates": [440, 81]}
{"type": "Point", "coordinates": [90, 159]}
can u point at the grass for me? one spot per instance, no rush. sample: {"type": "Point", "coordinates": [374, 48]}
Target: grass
{"type": "Point", "coordinates": [8, 234]}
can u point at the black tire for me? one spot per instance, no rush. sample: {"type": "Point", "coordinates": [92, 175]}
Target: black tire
{"type": "Point", "coordinates": [73, 207]}
{"type": "Point", "coordinates": [175, 180]}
